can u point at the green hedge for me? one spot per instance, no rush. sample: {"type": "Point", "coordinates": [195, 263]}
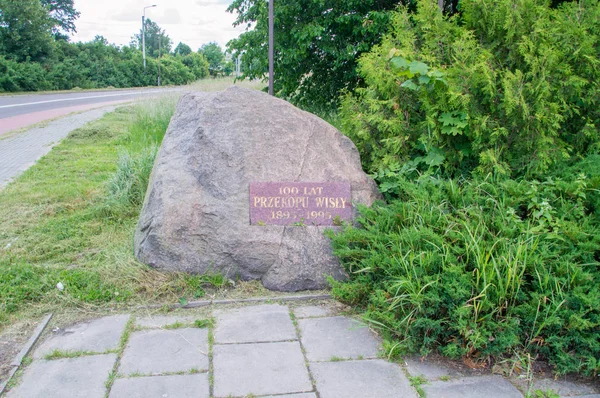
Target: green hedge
{"type": "Point", "coordinates": [482, 268]}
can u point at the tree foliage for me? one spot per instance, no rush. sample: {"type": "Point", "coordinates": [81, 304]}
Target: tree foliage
{"type": "Point", "coordinates": [63, 13]}
{"type": "Point", "coordinates": [317, 44]}
{"type": "Point", "coordinates": [25, 30]}
{"type": "Point", "coordinates": [215, 57]}
{"type": "Point", "coordinates": [155, 37]}
{"type": "Point", "coordinates": [508, 87]}
{"type": "Point", "coordinates": [98, 64]}
{"type": "Point", "coordinates": [182, 49]}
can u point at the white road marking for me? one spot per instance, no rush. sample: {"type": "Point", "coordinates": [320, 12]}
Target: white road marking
{"type": "Point", "coordinates": [82, 98]}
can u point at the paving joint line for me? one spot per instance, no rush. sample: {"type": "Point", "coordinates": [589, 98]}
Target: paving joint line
{"type": "Point", "coordinates": [259, 342]}
{"type": "Point", "coordinates": [211, 367]}
{"type": "Point", "coordinates": [163, 374]}
{"type": "Point", "coordinates": [114, 373]}
{"type": "Point", "coordinates": [303, 350]}
{"type": "Point", "coordinates": [205, 303]}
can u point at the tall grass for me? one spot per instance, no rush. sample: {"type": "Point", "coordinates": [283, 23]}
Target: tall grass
{"type": "Point", "coordinates": [127, 187]}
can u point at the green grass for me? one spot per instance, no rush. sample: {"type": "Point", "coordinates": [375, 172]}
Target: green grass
{"type": "Point", "coordinates": [416, 382]}
{"type": "Point", "coordinates": [58, 354]}
{"type": "Point", "coordinates": [70, 219]}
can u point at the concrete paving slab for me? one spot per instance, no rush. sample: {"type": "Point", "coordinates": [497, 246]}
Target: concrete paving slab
{"type": "Point", "coordinates": [152, 352]}
{"type": "Point", "coordinates": [312, 311]}
{"type": "Point", "coordinates": [302, 395]}
{"type": "Point", "coordinates": [98, 335]}
{"type": "Point", "coordinates": [72, 377]}
{"type": "Point", "coordinates": [160, 321]}
{"type": "Point", "coordinates": [366, 379]}
{"type": "Point", "coordinates": [259, 369]}
{"type": "Point", "coordinates": [261, 323]}
{"type": "Point", "coordinates": [472, 387]}
{"type": "Point", "coordinates": [339, 337]}
{"type": "Point", "coordinates": [429, 369]}
{"type": "Point", "coordinates": [581, 396]}
{"type": "Point", "coordinates": [561, 387]}
{"type": "Point", "coordinates": [178, 386]}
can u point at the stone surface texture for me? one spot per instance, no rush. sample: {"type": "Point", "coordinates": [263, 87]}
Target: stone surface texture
{"type": "Point", "coordinates": [74, 377]}
{"type": "Point", "coordinates": [176, 386]}
{"type": "Point", "coordinates": [196, 215]}
{"type": "Point", "coordinates": [98, 335]}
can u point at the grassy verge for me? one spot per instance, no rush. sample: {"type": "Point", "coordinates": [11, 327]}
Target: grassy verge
{"type": "Point", "coordinates": [66, 224]}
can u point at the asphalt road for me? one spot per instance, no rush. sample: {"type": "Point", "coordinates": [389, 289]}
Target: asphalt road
{"type": "Point", "coordinates": [16, 105]}
{"type": "Point", "coordinates": [21, 111]}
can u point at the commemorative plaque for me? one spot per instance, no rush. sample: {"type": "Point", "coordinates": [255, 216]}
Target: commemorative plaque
{"type": "Point", "coordinates": [300, 203]}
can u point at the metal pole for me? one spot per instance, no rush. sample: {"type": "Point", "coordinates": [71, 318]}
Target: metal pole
{"type": "Point", "coordinates": [441, 5]}
{"type": "Point", "coordinates": [144, 38]}
{"type": "Point", "coordinates": [271, 47]}
{"type": "Point", "coordinates": [144, 34]}
{"type": "Point", "coordinates": [159, 40]}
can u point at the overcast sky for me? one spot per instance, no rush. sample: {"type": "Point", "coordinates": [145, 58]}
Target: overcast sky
{"type": "Point", "coordinates": [194, 22]}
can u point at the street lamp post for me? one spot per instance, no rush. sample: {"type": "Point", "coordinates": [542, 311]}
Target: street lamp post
{"type": "Point", "coordinates": [144, 34]}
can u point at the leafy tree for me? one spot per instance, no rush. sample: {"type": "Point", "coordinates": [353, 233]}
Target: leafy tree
{"type": "Point", "coordinates": [228, 68]}
{"type": "Point", "coordinates": [182, 49]}
{"type": "Point", "coordinates": [24, 30]}
{"type": "Point", "coordinates": [215, 57]}
{"type": "Point", "coordinates": [317, 43]}
{"type": "Point", "coordinates": [63, 13]}
{"type": "Point", "coordinates": [197, 64]}
{"type": "Point", "coordinates": [509, 88]}
{"type": "Point", "coordinates": [154, 36]}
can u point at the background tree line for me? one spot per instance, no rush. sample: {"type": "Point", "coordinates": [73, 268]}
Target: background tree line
{"type": "Point", "coordinates": [36, 54]}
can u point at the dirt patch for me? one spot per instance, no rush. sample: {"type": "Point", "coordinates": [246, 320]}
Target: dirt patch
{"type": "Point", "coordinates": [12, 340]}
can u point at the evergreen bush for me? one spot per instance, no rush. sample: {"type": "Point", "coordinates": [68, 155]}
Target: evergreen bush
{"type": "Point", "coordinates": [482, 268]}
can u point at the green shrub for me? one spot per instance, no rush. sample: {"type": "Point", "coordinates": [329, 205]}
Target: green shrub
{"type": "Point", "coordinates": [26, 76]}
{"type": "Point", "coordinates": [482, 268]}
{"type": "Point", "coordinates": [506, 87]}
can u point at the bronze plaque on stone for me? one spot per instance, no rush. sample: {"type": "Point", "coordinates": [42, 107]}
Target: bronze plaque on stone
{"type": "Point", "coordinates": [300, 203]}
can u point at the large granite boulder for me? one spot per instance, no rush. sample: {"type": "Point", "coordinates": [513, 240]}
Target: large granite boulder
{"type": "Point", "coordinates": [196, 212]}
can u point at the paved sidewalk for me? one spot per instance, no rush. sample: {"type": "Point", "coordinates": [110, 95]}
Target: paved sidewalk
{"type": "Point", "coordinates": [21, 151]}
{"type": "Point", "coordinates": [256, 351]}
